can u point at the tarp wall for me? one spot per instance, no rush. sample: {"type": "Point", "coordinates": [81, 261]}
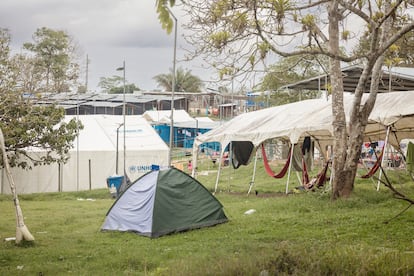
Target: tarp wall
{"type": "Point", "coordinates": [94, 160]}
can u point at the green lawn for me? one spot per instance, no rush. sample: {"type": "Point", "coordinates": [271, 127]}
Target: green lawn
{"type": "Point", "coordinates": [302, 233]}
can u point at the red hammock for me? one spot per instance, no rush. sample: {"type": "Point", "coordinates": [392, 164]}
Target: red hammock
{"type": "Point", "coordinates": [269, 171]}
{"type": "Point", "coordinates": [376, 166]}
{"type": "Point", "coordinates": [320, 178]}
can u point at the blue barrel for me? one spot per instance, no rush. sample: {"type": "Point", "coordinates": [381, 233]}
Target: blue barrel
{"type": "Point", "coordinates": [114, 184]}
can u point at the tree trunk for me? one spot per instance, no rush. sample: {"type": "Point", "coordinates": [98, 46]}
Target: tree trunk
{"type": "Point", "coordinates": [341, 185]}
{"type": "Point", "coordinates": [345, 177]}
{"type": "Point", "coordinates": [347, 147]}
{"type": "Point", "coordinates": [22, 232]}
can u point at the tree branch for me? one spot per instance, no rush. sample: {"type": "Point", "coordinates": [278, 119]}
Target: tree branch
{"type": "Point", "coordinates": [404, 30]}
{"type": "Point", "coordinates": [399, 214]}
{"type": "Point", "coordinates": [390, 12]}
{"type": "Point", "coordinates": [358, 12]}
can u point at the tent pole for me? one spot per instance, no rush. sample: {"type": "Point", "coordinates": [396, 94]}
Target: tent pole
{"type": "Point", "coordinates": [332, 170]}
{"type": "Point", "coordinates": [195, 160]}
{"type": "Point", "coordinates": [59, 189]}
{"type": "Point", "coordinates": [2, 181]}
{"type": "Point", "coordinates": [90, 175]}
{"type": "Point", "coordinates": [383, 157]}
{"type": "Point", "coordinates": [230, 158]}
{"type": "Point", "coordinates": [290, 167]}
{"type": "Point", "coordinates": [254, 174]}
{"type": "Point", "coordinates": [218, 172]}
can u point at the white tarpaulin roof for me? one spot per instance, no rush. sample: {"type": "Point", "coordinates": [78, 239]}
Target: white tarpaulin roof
{"type": "Point", "coordinates": [139, 135]}
{"type": "Point", "coordinates": [314, 118]}
{"type": "Point", "coordinates": [181, 119]}
{"type": "Point", "coordinates": [94, 160]}
{"type": "Point", "coordinates": [163, 116]}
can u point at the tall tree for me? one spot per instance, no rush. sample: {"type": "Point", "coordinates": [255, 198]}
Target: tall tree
{"type": "Point", "coordinates": [108, 83]}
{"type": "Point", "coordinates": [55, 54]}
{"type": "Point", "coordinates": [115, 85]}
{"type": "Point", "coordinates": [24, 125]}
{"type": "Point", "coordinates": [22, 231]}
{"type": "Point", "coordinates": [184, 81]}
{"type": "Point", "coordinates": [290, 70]}
{"type": "Point", "coordinates": [245, 32]}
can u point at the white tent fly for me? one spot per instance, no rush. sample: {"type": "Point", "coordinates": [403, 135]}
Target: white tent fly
{"type": "Point", "coordinates": [93, 158]}
{"type": "Point", "coordinates": [163, 116]}
{"type": "Point", "coordinates": [392, 118]}
{"type": "Point", "coordinates": [181, 119]}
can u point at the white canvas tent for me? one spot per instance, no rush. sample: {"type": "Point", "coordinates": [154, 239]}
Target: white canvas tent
{"type": "Point", "coordinates": [393, 112]}
{"type": "Point", "coordinates": [181, 119]}
{"type": "Point", "coordinates": [163, 116]}
{"type": "Point", "coordinates": [93, 158]}
{"type": "Point", "coordinates": [198, 122]}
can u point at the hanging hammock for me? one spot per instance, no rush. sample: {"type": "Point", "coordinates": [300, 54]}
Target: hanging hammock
{"type": "Point", "coordinates": [320, 178]}
{"type": "Point", "coordinates": [376, 166]}
{"type": "Point", "coordinates": [269, 171]}
{"type": "Point", "coordinates": [305, 175]}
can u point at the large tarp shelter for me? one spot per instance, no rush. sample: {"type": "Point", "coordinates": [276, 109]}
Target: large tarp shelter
{"type": "Point", "coordinates": [164, 202]}
{"type": "Point", "coordinates": [392, 111]}
{"type": "Point", "coordinates": [93, 157]}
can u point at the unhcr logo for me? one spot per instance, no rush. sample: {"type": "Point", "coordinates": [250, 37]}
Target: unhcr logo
{"type": "Point", "coordinates": [139, 168]}
{"type": "Point", "coordinates": [142, 168]}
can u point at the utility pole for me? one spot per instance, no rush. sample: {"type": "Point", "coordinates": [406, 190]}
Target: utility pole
{"type": "Point", "coordinates": [172, 90]}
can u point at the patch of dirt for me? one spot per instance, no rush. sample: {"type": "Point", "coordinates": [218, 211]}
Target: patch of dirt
{"type": "Point", "coordinates": [254, 194]}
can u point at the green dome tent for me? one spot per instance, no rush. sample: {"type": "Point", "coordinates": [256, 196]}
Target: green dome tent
{"type": "Point", "coordinates": [164, 202]}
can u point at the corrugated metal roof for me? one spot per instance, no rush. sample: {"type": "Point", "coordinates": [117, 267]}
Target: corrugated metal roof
{"type": "Point", "coordinates": [402, 79]}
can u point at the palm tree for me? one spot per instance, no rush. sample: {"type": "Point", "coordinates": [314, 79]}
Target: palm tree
{"type": "Point", "coordinates": [184, 81]}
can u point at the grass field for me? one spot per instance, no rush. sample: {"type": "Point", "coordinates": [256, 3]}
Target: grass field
{"type": "Point", "coordinates": [302, 233]}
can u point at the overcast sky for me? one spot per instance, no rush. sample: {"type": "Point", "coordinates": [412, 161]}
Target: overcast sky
{"type": "Point", "coordinates": [108, 31]}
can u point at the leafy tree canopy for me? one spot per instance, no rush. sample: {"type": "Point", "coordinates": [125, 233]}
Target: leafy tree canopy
{"type": "Point", "coordinates": [27, 126]}
{"type": "Point", "coordinates": [129, 89]}
{"type": "Point", "coordinates": [52, 57]}
{"type": "Point", "coordinates": [163, 14]}
{"type": "Point", "coordinates": [401, 53]}
{"type": "Point", "coordinates": [290, 70]}
{"type": "Point", "coordinates": [184, 81]}
{"type": "Point", "coordinates": [115, 85]}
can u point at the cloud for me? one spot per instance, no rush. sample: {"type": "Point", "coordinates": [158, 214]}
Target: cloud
{"type": "Point", "coordinates": [107, 31]}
